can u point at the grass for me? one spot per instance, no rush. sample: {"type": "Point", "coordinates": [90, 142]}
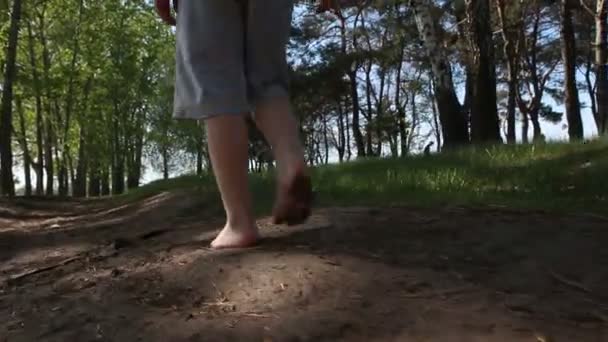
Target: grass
{"type": "Point", "coordinates": [553, 177]}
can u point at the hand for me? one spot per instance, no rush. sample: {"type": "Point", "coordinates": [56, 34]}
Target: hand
{"type": "Point", "coordinates": [325, 5]}
{"type": "Point", "coordinates": [336, 5]}
{"type": "Point", "coordinates": [163, 8]}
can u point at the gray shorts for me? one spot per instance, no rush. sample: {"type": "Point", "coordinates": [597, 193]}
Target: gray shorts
{"type": "Point", "coordinates": [230, 56]}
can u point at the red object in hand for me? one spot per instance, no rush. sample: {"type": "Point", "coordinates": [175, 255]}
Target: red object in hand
{"type": "Point", "coordinates": [163, 8]}
{"type": "Point", "coordinates": [336, 5]}
{"type": "Point", "coordinates": [326, 5]}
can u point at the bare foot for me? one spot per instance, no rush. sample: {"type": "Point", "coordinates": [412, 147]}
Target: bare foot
{"type": "Point", "coordinates": [294, 197]}
{"type": "Point", "coordinates": [235, 238]}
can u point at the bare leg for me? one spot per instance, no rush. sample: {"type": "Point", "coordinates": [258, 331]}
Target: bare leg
{"type": "Point", "coordinates": [228, 148]}
{"type": "Point", "coordinates": [275, 119]}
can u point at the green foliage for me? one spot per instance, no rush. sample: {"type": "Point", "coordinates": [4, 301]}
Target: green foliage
{"type": "Point", "coordinates": [104, 78]}
{"type": "Point", "coordinates": [551, 115]}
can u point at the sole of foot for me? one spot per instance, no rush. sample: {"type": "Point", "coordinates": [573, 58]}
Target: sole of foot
{"type": "Point", "coordinates": [294, 200]}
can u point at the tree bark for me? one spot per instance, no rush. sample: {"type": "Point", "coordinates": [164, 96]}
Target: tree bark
{"type": "Point", "coordinates": [354, 92]}
{"type": "Point", "coordinates": [27, 160]}
{"type": "Point", "coordinates": [49, 134]}
{"type": "Point", "coordinates": [135, 152]}
{"type": "Point", "coordinates": [525, 128]}
{"type": "Point", "coordinates": [436, 123]}
{"type": "Point", "coordinates": [369, 112]}
{"type": "Point", "coordinates": [341, 145]}
{"type": "Point", "coordinates": [39, 165]}
{"type": "Point", "coordinates": [591, 87]}
{"type": "Point", "coordinates": [79, 186]}
{"type": "Point", "coordinates": [165, 156]}
{"type": "Point", "coordinates": [601, 60]}
{"type": "Point", "coordinates": [484, 112]}
{"type": "Point", "coordinates": [105, 181]}
{"type": "Point", "coordinates": [573, 110]}
{"type": "Point", "coordinates": [402, 119]}
{"type": "Point", "coordinates": [453, 122]}
{"type": "Point", "coordinates": [65, 166]}
{"type": "Point", "coordinates": [510, 36]}
{"type": "Point", "coordinates": [118, 159]}
{"type": "Point", "coordinates": [380, 112]}
{"type": "Point", "coordinates": [7, 183]}
{"type": "Point", "coordinates": [94, 178]}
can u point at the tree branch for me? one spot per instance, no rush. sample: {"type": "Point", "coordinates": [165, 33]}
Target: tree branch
{"type": "Point", "coordinates": [589, 9]}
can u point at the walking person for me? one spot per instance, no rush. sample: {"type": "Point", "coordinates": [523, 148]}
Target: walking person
{"type": "Point", "coordinates": [230, 63]}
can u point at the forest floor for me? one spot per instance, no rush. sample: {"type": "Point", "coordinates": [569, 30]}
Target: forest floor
{"type": "Point", "coordinates": [138, 268]}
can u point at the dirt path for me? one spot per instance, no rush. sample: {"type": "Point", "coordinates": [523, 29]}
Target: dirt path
{"type": "Point", "coordinates": [75, 271]}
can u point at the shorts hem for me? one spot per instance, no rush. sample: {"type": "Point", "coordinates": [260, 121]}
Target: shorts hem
{"type": "Point", "coordinates": [272, 93]}
{"type": "Point", "coordinates": [204, 112]}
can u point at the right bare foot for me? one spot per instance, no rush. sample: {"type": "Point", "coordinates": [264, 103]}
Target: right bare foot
{"type": "Point", "coordinates": [294, 199]}
{"type": "Point", "coordinates": [236, 238]}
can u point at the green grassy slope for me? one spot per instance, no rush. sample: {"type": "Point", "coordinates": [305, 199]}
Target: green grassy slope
{"type": "Point", "coordinates": [570, 177]}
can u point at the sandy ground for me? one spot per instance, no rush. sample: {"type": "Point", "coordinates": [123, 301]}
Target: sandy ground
{"type": "Point", "coordinates": [84, 271]}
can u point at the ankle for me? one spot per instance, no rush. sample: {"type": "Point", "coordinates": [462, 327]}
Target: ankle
{"type": "Point", "coordinates": [240, 224]}
{"type": "Point", "coordinates": [289, 159]}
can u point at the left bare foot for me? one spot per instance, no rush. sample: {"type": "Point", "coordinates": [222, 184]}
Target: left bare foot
{"type": "Point", "coordinates": [230, 237]}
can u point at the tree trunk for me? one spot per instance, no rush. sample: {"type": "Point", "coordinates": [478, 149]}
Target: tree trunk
{"type": "Point", "coordinates": [349, 152]}
{"type": "Point", "coordinates": [71, 172]}
{"type": "Point", "coordinates": [369, 112]}
{"type": "Point", "coordinates": [94, 179]}
{"type": "Point", "coordinates": [536, 131]}
{"type": "Point", "coordinates": [415, 121]}
{"type": "Point", "coordinates": [354, 93]}
{"type": "Point", "coordinates": [325, 139]}
{"type": "Point", "coordinates": [49, 135]}
{"type": "Point", "coordinates": [165, 155]}
{"type": "Point", "coordinates": [601, 55]}
{"type": "Point", "coordinates": [135, 153]}
{"type": "Point", "coordinates": [341, 132]}
{"type": "Point", "coordinates": [403, 130]}
{"type": "Point", "coordinates": [7, 187]}
{"type": "Point", "coordinates": [511, 103]}
{"type": "Point", "coordinates": [453, 123]}
{"type": "Point", "coordinates": [402, 119]}
{"type": "Point", "coordinates": [525, 128]}
{"type": "Point", "coordinates": [26, 151]}
{"type": "Point", "coordinates": [39, 165]}
{"type": "Point", "coordinates": [510, 36]}
{"type": "Point", "coordinates": [79, 186]}
{"type": "Point", "coordinates": [48, 156]}
{"type": "Point", "coordinates": [94, 186]}
{"type": "Point", "coordinates": [118, 164]}
{"type": "Point", "coordinates": [105, 181]}
{"type": "Point", "coordinates": [573, 108]}
{"type": "Point", "coordinates": [437, 125]}
{"type": "Point", "coordinates": [484, 112]}
{"type": "Point", "coordinates": [379, 113]}
{"type": "Point", "coordinates": [199, 160]}
{"type": "Point", "coordinates": [591, 87]}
